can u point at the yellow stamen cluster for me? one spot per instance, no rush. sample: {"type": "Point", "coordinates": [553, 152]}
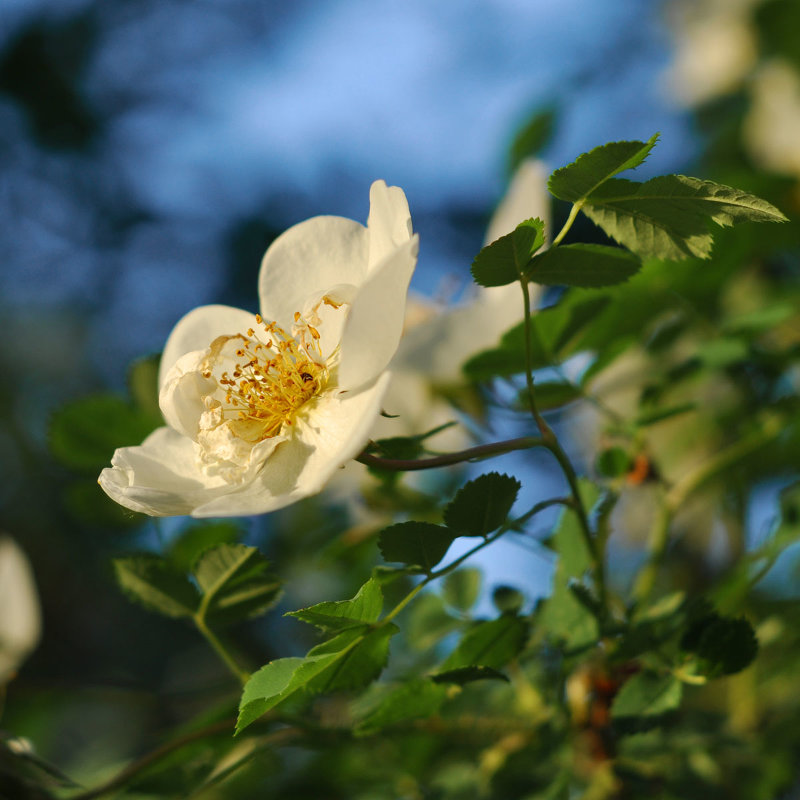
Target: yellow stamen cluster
{"type": "Point", "coordinates": [273, 377]}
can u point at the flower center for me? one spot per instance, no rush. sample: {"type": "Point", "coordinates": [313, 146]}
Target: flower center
{"type": "Point", "coordinates": [273, 376]}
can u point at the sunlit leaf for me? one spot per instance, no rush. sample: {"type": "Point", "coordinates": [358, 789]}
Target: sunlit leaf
{"type": "Point", "coordinates": [590, 170]}
{"type": "Point", "coordinates": [667, 217]}
{"type": "Point", "coordinates": [338, 615]}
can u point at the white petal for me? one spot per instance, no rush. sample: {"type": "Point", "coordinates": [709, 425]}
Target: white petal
{"type": "Point", "coordinates": [389, 221]}
{"type": "Point", "coordinates": [336, 431]}
{"type": "Point", "coordinates": [375, 323]}
{"type": "Point", "coordinates": [308, 259]}
{"type": "Point", "coordinates": [20, 617]}
{"type": "Point", "coordinates": [161, 477]}
{"type": "Point", "coordinates": [526, 197]}
{"type": "Point", "coordinates": [182, 390]}
{"type": "Point", "coordinates": [198, 329]}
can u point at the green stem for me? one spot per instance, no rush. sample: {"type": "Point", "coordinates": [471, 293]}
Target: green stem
{"type": "Point", "coordinates": [200, 622]}
{"type": "Point", "coordinates": [573, 213]}
{"type": "Point", "coordinates": [544, 429]}
{"type": "Point", "coordinates": [447, 459]}
{"type": "Point", "coordinates": [281, 736]}
{"type": "Point", "coordinates": [510, 525]}
{"type": "Point", "coordinates": [550, 441]}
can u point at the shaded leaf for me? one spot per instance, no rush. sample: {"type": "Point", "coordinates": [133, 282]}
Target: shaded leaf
{"type": "Point", "coordinates": [85, 433]}
{"type": "Point", "coordinates": [507, 599]}
{"type": "Point", "coordinates": [151, 582]}
{"type": "Point", "coordinates": [724, 645]}
{"type": "Point", "coordinates": [461, 588]}
{"type": "Point", "coordinates": [199, 537]}
{"type": "Point", "coordinates": [588, 265]}
{"type": "Point", "coordinates": [532, 137]}
{"type": "Point", "coordinates": [405, 446]}
{"type": "Point", "coordinates": [463, 675]}
{"type": "Point", "coordinates": [562, 615]}
{"type": "Point", "coordinates": [235, 583]}
{"type": "Point", "coordinates": [504, 260]}
{"type": "Point", "coordinates": [492, 643]}
{"type": "Point", "coordinates": [482, 505]}
{"type": "Point", "coordinates": [143, 384]}
{"type": "Point", "coordinates": [428, 622]}
{"type": "Point", "coordinates": [647, 694]}
{"type": "Point", "coordinates": [421, 544]}
{"type": "Point", "coordinates": [590, 170]}
{"type": "Point", "coordinates": [553, 331]}
{"type": "Point", "coordinates": [551, 395]}
{"type": "Point", "coordinates": [416, 699]}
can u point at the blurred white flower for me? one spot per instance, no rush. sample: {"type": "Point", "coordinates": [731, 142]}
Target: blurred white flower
{"type": "Point", "coordinates": [261, 411]}
{"type": "Point", "coordinates": [715, 48]}
{"type": "Point", "coordinates": [20, 618]}
{"type": "Point", "coordinates": [436, 344]}
{"type": "Point", "coordinates": [771, 129]}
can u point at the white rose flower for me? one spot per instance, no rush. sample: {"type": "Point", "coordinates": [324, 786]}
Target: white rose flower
{"type": "Point", "coordinates": [20, 618]}
{"type": "Point", "coordinates": [262, 410]}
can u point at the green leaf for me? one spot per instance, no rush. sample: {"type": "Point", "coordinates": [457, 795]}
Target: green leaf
{"type": "Point", "coordinates": [492, 643]}
{"type": "Point", "coordinates": [482, 505]}
{"type": "Point", "coordinates": [143, 385]}
{"type": "Point", "coordinates": [504, 260]}
{"type": "Point", "coordinates": [235, 583]}
{"type": "Point", "coordinates": [461, 588]}
{"type": "Point", "coordinates": [405, 446]}
{"type": "Point", "coordinates": [652, 416]}
{"type": "Point", "coordinates": [647, 694]}
{"type": "Point", "coordinates": [462, 675]}
{"type": "Point", "coordinates": [358, 665]}
{"type": "Point", "coordinates": [590, 170]}
{"type": "Point", "coordinates": [421, 544]}
{"type": "Point", "coordinates": [551, 395]}
{"type": "Point", "coordinates": [724, 645]}
{"type": "Point", "coordinates": [553, 332]}
{"type": "Point", "coordinates": [352, 658]}
{"type": "Point", "coordinates": [613, 462]}
{"type": "Point", "coordinates": [667, 217]}
{"type": "Point", "coordinates": [532, 137]}
{"type": "Point", "coordinates": [507, 599]}
{"type": "Point", "coordinates": [428, 622]}
{"type": "Point", "coordinates": [587, 265]}
{"type": "Point", "coordinates": [85, 433]}
{"type": "Point", "coordinates": [562, 615]}
{"type": "Point", "coordinates": [199, 537]}
{"type": "Point", "coordinates": [417, 699]}
{"type": "Point", "coordinates": [342, 614]}
{"type": "Point", "coordinates": [275, 682]}
{"type": "Point", "coordinates": [150, 581]}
